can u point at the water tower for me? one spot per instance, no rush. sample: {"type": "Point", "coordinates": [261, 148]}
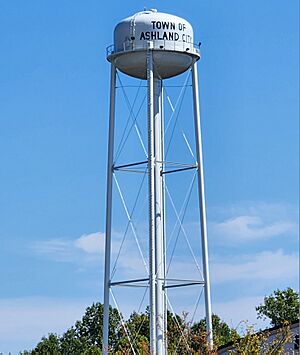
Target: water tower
{"type": "Point", "coordinates": [154, 46]}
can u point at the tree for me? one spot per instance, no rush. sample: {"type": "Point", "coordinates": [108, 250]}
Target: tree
{"type": "Point", "coordinates": [222, 333]}
{"type": "Point", "coordinates": [89, 329]}
{"type": "Point", "coordinates": [72, 343]}
{"type": "Point", "coordinates": [87, 333]}
{"type": "Point", "coordinates": [49, 345]}
{"type": "Point", "coordinates": [178, 334]}
{"type": "Point", "coordinates": [85, 337]}
{"type": "Point", "coordinates": [279, 307]}
{"type": "Point", "coordinates": [137, 328]}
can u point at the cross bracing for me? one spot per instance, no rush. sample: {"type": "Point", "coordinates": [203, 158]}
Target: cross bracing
{"type": "Point", "coordinates": [130, 169]}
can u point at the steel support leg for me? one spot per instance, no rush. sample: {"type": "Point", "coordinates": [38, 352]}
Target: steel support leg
{"type": "Point", "coordinates": [151, 192]}
{"type": "Point", "coordinates": [109, 210]}
{"type": "Point", "coordinates": [202, 205]}
{"type": "Point", "coordinates": [159, 218]}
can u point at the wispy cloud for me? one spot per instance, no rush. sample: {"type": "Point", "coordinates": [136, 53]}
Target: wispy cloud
{"type": "Point", "coordinates": [270, 266]}
{"type": "Point", "coordinates": [266, 210]}
{"type": "Point", "coordinates": [86, 246]}
{"type": "Point", "coordinates": [55, 249]}
{"type": "Point", "coordinates": [91, 247]}
{"type": "Point", "coordinates": [255, 222]}
{"type": "Point", "coordinates": [266, 266]}
{"type": "Point", "coordinates": [91, 243]}
{"type": "Point", "coordinates": [244, 228]}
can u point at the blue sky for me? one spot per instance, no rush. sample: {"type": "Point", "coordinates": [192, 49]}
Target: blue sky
{"type": "Point", "coordinates": [54, 121]}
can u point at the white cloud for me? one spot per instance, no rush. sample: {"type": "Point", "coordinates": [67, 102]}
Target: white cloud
{"type": "Point", "coordinates": [255, 222]}
{"type": "Point", "coordinates": [272, 267]}
{"type": "Point", "coordinates": [91, 243]}
{"type": "Point", "coordinates": [267, 265]}
{"type": "Point", "coordinates": [91, 247]}
{"type": "Point", "coordinates": [268, 211]}
{"type": "Point", "coordinates": [243, 228]}
{"type": "Point", "coordinates": [88, 246]}
{"type": "Point", "coordinates": [262, 266]}
{"type": "Point", "coordinates": [55, 249]}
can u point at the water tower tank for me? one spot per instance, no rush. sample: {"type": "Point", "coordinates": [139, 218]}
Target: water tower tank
{"type": "Point", "coordinates": [170, 37]}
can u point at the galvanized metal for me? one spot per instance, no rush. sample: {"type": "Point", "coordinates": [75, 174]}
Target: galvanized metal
{"type": "Point", "coordinates": [159, 218]}
{"type": "Point", "coordinates": [151, 197]}
{"type": "Point", "coordinates": [201, 192]}
{"type": "Point", "coordinates": [168, 34]}
{"type": "Point", "coordinates": [109, 189]}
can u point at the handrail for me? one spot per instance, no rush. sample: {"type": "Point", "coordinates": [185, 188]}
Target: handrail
{"type": "Point", "coordinates": [163, 45]}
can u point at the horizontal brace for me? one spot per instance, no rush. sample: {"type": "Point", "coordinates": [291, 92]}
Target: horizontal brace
{"type": "Point", "coordinates": [118, 283]}
{"type": "Point", "coordinates": [128, 165]}
{"type": "Point", "coordinates": [177, 86]}
{"type": "Point", "coordinates": [178, 170]}
{"type": "Point", "coordinates": [180, 280]}
{"type": "Point", "coordinates": [185, 284]}
{"type": "Point", "coordinates": [132, 170]}
{"type": "Point", "coordinates": [172, 163]}
{"type": "Point", "coordinates": [131, 86]}
{"type": "Point", "coordinates": [133, 285]}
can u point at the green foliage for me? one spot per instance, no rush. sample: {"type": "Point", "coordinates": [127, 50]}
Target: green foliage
{"type": "Point", "coordinates": [85, 337]}
{"type": "Point", "coordinates": [279, 307]}
{"type": "Point", "coordinates": [72, 343]}
{"type": "Point", "coordinates": [92, 351]}
{"type": "Point", "coordinates": [178, 332]}
{"type": "Point", "coordinates": [248, 343]}
{"type": "Point", "coordinates": [138, 323]}
{"type": "Point", "coordinates": [49, 345]}
{"type": "Point", "coordinates": [137, 327]}
{"type": "Point", "coordinates": [182, 337]}
{"type": "Point", "coordinates": [222, 334]}
{"type": "Point", "coordinates": [140, 346]}
{"type": "Point", "coordinates": [89, 329]}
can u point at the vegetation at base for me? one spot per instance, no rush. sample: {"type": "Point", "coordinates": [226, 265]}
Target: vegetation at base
{"type": "Point", "coordinates": [85, 337]}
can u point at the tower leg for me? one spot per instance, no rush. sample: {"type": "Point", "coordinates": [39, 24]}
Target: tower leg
{"type": "Point", "coordinates": [151, 192]}
{"type": "Point", "coordinates": [109, 210]}
{"type": "Point", "coordinates": [159, 218]}
{"type": "Point", "coordinates": [202, 205]}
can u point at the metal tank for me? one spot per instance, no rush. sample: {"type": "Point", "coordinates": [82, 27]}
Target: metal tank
{"type": "Point", "coordinates": [155, 46]}
{"type": "Point", "coordinates": [172, 41]}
